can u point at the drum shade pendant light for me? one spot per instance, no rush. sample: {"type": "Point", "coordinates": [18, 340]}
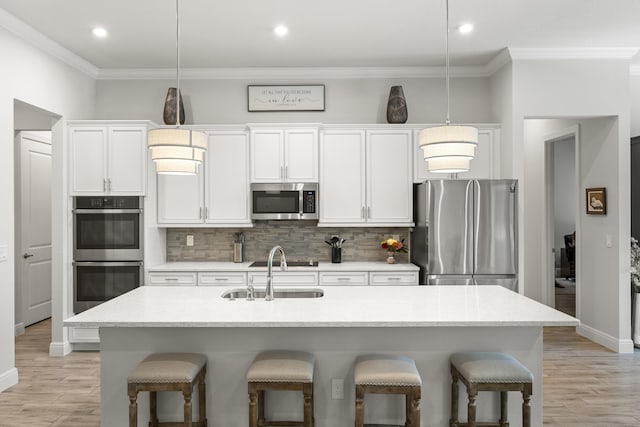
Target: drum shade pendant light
{"type": "Point", "coordinates": [448, 148]}
{"type": "Point", "coordinates": [177, 151]}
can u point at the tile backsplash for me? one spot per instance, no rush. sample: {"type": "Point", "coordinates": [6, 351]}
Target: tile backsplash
{"type": "Point", "coordinates": [301, 241]}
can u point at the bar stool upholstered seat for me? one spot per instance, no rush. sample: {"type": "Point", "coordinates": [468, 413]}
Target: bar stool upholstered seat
{"type": "Point", "coordinates": [489, 371]}
{"type": "Point", "coordinates": [388, 374]}
{"type": "Point", "coordinates": [169, 372]}
{"type": "Point", "coordinates": [280, 370]}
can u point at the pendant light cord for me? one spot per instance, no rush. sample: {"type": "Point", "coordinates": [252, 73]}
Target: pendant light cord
{"type": "Point", "coordinates": [177, 63]}
{"type": "Point", "coordinates": [446, 38]}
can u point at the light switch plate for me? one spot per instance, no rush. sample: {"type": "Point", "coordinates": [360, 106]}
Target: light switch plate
{"type": "Point", "coordinates": [4, 253]}
{"type": "Point", "coordinates": [337, 388]}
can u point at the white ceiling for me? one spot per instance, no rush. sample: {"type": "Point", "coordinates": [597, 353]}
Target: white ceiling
{"type": "Point", "coordinates": [327, 33]}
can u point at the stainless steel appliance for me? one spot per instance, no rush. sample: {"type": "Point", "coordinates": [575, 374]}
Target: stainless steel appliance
{"type": "Point", "coordinates": [97, 282]}
{"type": "Point", "coordinates": [108, 248]}
{"type": "Point", "coordinates": [466, 232]}
{"type": "Point", "coordinates": [284, 201]}
{"type": "Point", "coordinates": [108, 228]}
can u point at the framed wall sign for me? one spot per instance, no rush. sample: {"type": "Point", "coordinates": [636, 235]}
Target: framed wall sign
{"type": "Point", "coordinates": [285, 98]}
{"type": "Point", "coordinates": [597, 201]}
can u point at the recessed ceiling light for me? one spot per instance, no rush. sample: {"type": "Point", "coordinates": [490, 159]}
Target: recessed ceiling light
{"type": "Point", "coordinates": [281, 30]}
{"type": "Point", "coordinates": [99, 32]}
{"type": "Point", "coordinates": [465, 28]}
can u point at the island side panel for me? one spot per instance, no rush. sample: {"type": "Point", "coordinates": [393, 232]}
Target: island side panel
{"type": "Point", "coordinates": [231, 350]}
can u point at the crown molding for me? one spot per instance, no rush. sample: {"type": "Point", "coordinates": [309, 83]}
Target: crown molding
{"type": "Point", "coordinates": [45, 44]}
{"type": "Point", "coordinates": [573, 53]}
{"type": "Point", "coordinates": [288, 72]}
{"type": "Point", "coordinates": [500, 60]}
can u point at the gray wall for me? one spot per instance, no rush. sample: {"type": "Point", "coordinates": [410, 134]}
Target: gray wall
{"type": "Point", "coordinates": [301, 241]}
{"type": "Point", "coordinates": [635, 187]}
{"type": "Point", "coordinates": [353, 100]}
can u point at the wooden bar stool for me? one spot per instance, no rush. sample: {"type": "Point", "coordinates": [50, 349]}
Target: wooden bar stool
{"type": "Point", "coordinates": [486, 371]}
{"type": "Point", "coordinates": [280, 370]}
{"type": "Point", "coordinates": [388, 374]}
{"type": "Point", "coordinates": [169, 372]}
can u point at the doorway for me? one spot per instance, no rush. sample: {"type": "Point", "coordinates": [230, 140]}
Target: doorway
{"type": "Point", "coordinates": [562, 214]}
{"type": "Point", "coordinates": [33, 223]}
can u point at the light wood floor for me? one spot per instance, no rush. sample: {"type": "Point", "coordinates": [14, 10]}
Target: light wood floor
{"type": "Point", "coordinates": [585, 385]}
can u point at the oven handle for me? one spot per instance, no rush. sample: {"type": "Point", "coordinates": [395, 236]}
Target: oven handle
{"type": "Point", "coordinates": [107, 263]}
{"type": "Point", "coordinates": [106, 211]}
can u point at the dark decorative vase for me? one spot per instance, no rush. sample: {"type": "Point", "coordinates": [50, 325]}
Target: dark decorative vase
{"type": "Point", "coordinates": [169, 114]}
{"type": "Point", "coordinates": [397, 106]}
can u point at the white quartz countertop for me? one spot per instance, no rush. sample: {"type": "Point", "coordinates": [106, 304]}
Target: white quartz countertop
{"type": "Point", "coordinates": [244, 266]}
{"type": "Point", "coordinates": [341, 306]}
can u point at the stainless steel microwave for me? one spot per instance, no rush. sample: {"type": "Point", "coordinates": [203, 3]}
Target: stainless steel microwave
{"type": "Point", "coordinates": [284, 201]}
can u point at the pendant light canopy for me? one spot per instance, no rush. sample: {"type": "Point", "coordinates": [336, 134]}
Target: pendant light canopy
{"type": "Point", "coordinates": [177, 151]}
{"type": "Point", "coordinates": [448, 148]}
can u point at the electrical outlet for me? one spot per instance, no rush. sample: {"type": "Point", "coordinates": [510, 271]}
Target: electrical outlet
{"type": "Point", "coordinates": [337, 388]}
{"type": "Point", "coordinates": [189, 239]}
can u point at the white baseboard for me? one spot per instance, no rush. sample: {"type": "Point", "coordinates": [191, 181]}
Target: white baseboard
{"type": "Point", "coordinates": [612, 343]}
{"type": "Point", "coordinates": [19, 329]}
{"type": "Point", "coordinates": [8, 379]}
{"type": "Point", "coordinates": [59, 349]}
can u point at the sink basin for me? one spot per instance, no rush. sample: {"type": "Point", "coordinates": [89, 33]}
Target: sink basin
{"type": "Point", "coordinates": [241, 293]}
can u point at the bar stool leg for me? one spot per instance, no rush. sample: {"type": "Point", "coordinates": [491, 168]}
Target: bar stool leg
{"type": "Point", "coordinates": [526, 407]}
{"type": "Point", "coordinates": [504, 405]}
{"type": "Point", "coordinates": [415, 408]}
{"type": "Point", "coordinates": [262, 396]}
{"type": "Point", "coordinates": [187, 407]}
{"type": "Point", "coordinates": [453, 421]}
{"type": "Point", "coordinates": [307, 390]}
{"type": "Point", "coordinates": [407, 411]}
{"type": "Point", "coordinates": [471, 411]}
{"type": "Point", "coordinates": [359, 407]}
{"type": "Point", "coordinates": [153, 408]}
{"type": "Point", "coordinates": [133, 406]}
{"type": "Point", "coordinates": [202, 399]}
{"type": "Point", "coordinates": [253, 406]}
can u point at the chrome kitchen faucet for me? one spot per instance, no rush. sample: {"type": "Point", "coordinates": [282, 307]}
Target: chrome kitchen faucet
{"type": "Point", "coordinates": [283, 266]}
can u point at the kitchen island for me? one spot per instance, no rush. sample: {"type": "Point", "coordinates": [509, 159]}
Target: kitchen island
{"type": "Point", "coordinates": [425, 323]}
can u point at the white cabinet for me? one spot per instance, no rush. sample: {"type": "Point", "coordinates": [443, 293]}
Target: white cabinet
{"type": "Point", "coordinates": [377, 278]}
{"type": "Point", "coordinates": [108, 159]}
{"type": "Point", "coordinates": [285, 278]}
{"type": "Point", "coordinates": [226, 278]}
{"type": "Point", "coordinates": [172, 279]}
{"type": "Point", "coordinates": [348, 278]}
{"type": "Point", "coordinates": [218, 194]}
{"type": "Point", "coordinates": [284, 155]}
{"type": "Point", "coordinates": [485, 164]}
{"type": "Point", "coordinates": [366, 177]}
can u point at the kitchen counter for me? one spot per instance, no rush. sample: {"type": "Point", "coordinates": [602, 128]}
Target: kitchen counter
{"type": "Point", "coordinates": [244, 266]}
{"type": "Point", "coordinates": [425, 323]}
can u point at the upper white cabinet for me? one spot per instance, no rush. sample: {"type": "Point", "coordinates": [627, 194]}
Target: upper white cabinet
{"type": "Point", "coordinates": [485, 164]}
{"type": "Point", "coordinates": [284, 154]}
{"type": "Point", "coordinates": [366, 177]}
{"type": "Point", "coordinates": [107, 159]}
{"type": "Point", "coordinates": [219, 194]}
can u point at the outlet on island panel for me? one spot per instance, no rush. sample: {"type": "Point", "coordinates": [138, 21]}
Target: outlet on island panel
{"type": "Point", "coordinates": [189, 239]}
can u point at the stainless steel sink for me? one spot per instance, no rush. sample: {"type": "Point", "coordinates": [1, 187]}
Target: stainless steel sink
{"type": "Point", "coordinates": [241, 293]}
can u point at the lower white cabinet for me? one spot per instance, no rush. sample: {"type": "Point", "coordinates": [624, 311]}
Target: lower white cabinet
{"type": "Point", "coordinates": [285, 278]}
{"type": "Point", "coordinates": [350, 278]}
{"type": "Point", "coordinates": [222, 279]}
{"type": "Point", "coordinates": [386, 278]}
{"type": "Point", "coordinates": [173, 279]}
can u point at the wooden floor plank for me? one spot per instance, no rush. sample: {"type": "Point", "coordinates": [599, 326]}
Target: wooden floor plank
{"type": "Point", "coordinates": [585, 385]}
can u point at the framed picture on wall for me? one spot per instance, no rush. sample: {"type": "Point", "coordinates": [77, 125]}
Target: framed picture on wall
{"type": "Point", "coordinates": [285, 98]}
{"type": "Point", "coordinates": [597, 201]}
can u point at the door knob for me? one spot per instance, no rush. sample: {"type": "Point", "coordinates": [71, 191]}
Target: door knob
{"type": "Point", "coordinates": [25, 256]}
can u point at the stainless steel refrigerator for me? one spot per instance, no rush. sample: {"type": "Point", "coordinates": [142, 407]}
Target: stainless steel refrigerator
{"type": "Point", "coordinates": [466, 232]}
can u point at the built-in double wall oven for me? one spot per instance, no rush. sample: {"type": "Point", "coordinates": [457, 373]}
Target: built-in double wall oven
{"type": "Point", "coordinates": [108, 248]}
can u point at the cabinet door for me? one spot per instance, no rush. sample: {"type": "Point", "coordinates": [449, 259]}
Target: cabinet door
{"type": "Point", "coordinates": [227, 178]}
{"type": "Point", "coordinates": [267, 156]}
{"type": "Point", "coordinates": [342, 177]}
{"type": "Point", "coordinates": [301, 155]}
{"type": "Point", "coordinates": [181, 198]}
{"type": "Point", "coordinates": [127, 160]}
{"type": "Point", "coordinates": [88, 148]}
{"type": "Point", "coordinates": [389, 177]}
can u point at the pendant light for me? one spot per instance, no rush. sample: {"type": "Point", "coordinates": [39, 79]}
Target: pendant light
{"type": "Point", "coordinates": [177, 151]}
{"type": "Point", "coordinates": [448, 148]}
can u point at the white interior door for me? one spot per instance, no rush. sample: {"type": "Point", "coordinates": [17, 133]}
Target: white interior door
{"type": "Point", "coordinates": [35, 228]}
